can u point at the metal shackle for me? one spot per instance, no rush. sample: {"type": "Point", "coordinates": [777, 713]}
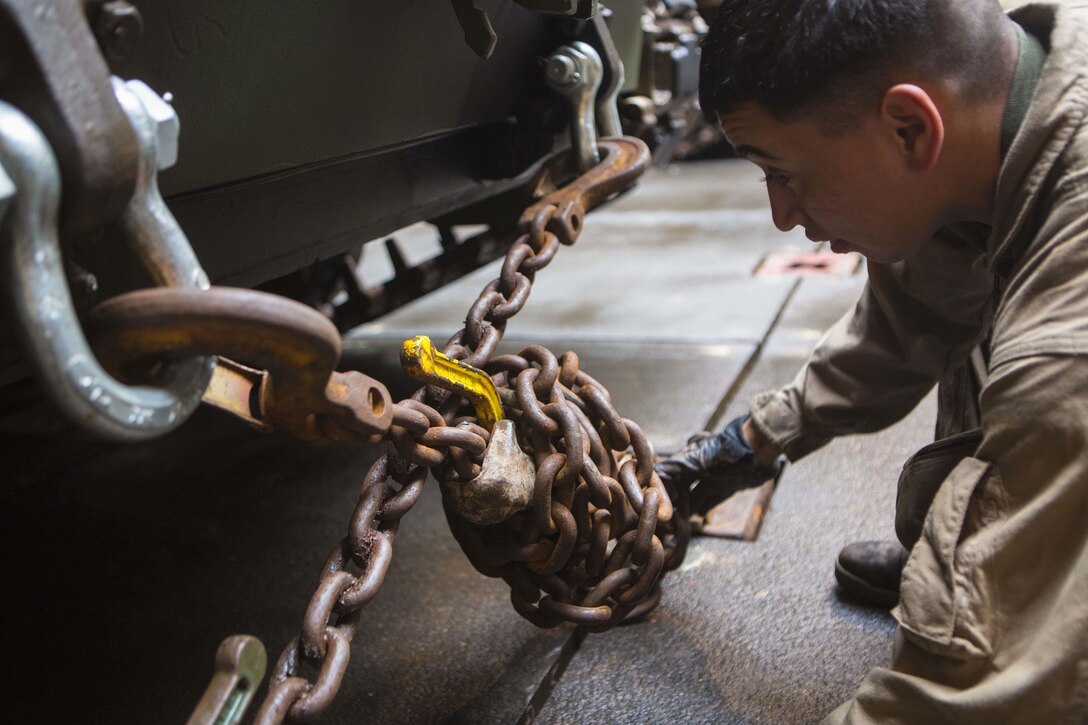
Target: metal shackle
{"type": "Point", "coordinates": [575, 71]}
{"type": "Point", "coordinates": [45, 316]}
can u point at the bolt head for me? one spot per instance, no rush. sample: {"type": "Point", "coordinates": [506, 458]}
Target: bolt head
{"type": "Point", "coordinates": [119, 28]}
{"type": "Point", "coordinates": [562, 70]}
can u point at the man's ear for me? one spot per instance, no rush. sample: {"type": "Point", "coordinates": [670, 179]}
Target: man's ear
{"type": "Point", "coordinates": [910, 113]}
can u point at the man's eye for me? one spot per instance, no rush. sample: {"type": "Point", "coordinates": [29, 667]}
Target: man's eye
{"type": "Point", "coordinates": [775, 179]}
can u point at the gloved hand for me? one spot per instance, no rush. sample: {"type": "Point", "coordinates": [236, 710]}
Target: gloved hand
{"type": "Point", "coordinates": [714, 466]}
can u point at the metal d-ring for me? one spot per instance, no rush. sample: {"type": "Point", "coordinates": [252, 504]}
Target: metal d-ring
{"type": "Point", "coordinates": [46, 321]}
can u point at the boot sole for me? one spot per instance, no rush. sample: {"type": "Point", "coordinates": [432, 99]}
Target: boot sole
{"type": "Point", "coordinates": [857, 589]}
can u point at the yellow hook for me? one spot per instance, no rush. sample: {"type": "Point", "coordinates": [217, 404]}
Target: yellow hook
{"type": "Point", "coordinates": [422, 361]}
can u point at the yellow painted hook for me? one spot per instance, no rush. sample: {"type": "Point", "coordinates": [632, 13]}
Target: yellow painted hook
{"type": "Point", "coordinates": [423, 362]}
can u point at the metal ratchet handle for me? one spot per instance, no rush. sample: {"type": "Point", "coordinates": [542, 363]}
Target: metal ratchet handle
{"type": "Point", "coordinates": [46, 319]}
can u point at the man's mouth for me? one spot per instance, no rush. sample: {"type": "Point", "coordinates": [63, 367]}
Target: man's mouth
{"type": "Point", "coordinates": [838, 246]}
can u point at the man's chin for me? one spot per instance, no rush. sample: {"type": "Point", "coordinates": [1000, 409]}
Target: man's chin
{"type": "Point", "coordinates": [841, 246]}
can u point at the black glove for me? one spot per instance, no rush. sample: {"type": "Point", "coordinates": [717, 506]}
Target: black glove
{"type": "Point", "coordinates": [715, 466]}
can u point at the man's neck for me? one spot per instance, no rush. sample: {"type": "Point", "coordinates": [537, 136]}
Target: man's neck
{"type": "Point", "coordinates": [973, 144]}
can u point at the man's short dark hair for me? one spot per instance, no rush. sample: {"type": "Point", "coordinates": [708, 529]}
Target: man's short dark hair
{"type": "Point", "coordinates": [791, 56]}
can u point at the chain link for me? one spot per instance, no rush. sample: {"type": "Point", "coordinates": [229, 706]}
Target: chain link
{"type": "Point", "coordinates": [601, 529]}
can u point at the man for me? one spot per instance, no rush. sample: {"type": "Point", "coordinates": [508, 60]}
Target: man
{"type": "Point", "coordinates": [948, 143]}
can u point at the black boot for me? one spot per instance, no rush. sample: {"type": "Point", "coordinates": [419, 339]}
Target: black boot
{"type": "Point", "coordinates": [869, 572]}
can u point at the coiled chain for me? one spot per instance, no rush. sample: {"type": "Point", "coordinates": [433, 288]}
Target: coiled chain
{"type": "Point", "coordinates": [601, 528]}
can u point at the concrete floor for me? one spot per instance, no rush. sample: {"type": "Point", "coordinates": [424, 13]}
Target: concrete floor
{"type": "Point", "coordinates": [125, 566]}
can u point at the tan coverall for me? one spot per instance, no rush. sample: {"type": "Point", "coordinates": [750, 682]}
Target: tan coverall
{"type": "Point", "coordinates": [993, 614]}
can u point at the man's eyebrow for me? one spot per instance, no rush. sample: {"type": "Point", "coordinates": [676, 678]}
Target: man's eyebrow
{"type": "Point", "coordinates": [745, 151]}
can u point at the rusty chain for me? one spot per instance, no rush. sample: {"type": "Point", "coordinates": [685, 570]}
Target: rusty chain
{"type": "Point", "coordinates": [601, 529]}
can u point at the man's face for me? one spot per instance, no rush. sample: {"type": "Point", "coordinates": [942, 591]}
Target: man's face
{"type": "Point", "coordinates": [850, 189]}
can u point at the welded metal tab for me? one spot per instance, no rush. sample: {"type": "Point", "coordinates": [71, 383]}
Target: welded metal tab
{"type": "Point", "coordinates": [580, 9]}
{"type": "Point", "coordinates": [480, 34]}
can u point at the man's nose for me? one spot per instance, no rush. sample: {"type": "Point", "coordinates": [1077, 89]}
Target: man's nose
{"type": "Point", "coordinates": [785, 211]}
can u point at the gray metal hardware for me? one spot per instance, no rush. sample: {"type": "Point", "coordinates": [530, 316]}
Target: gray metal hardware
{"type": "Point", "coordinates": [53, 341]}
{"type": "Point", "coordinates": [147, 222]}
{"type": "Point", "coordinates": [119, 29]}
{"type": "Point", "coordinates": [575, 71]}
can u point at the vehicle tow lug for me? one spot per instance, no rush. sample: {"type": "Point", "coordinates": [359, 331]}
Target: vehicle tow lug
{"type": "Point", "coordinates": [480, 34]}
